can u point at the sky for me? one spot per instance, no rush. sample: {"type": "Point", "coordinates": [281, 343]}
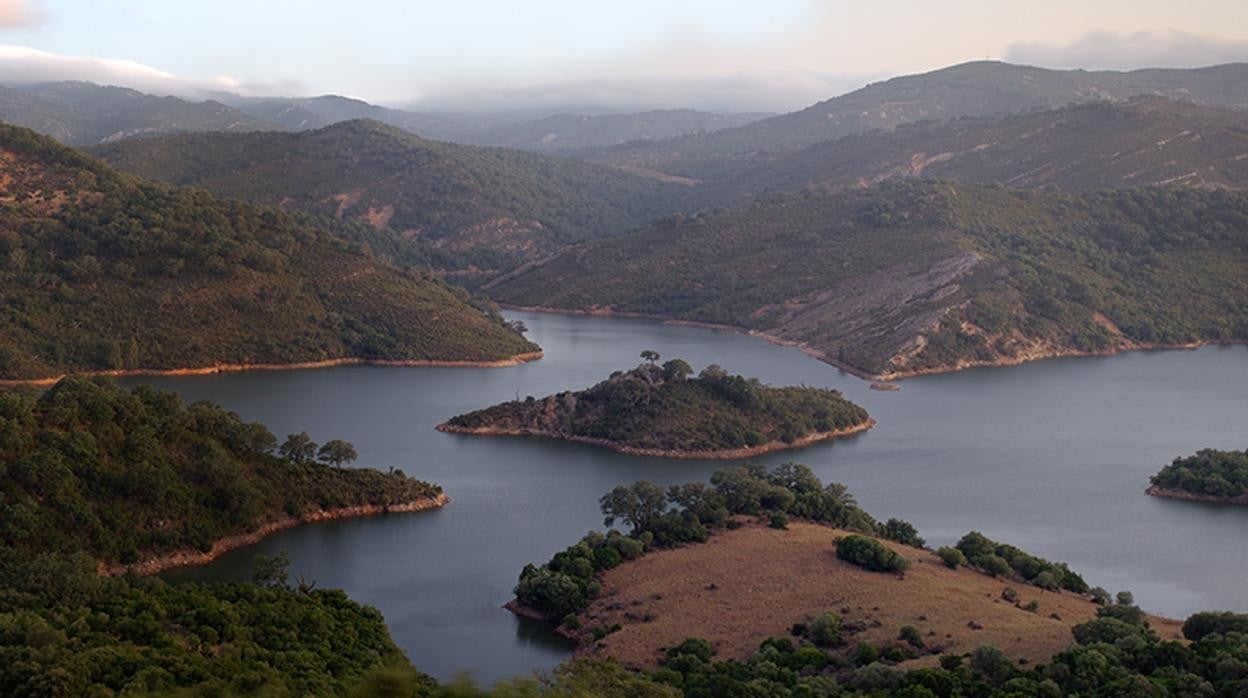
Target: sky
{"type": "Point", "coordinates": [728, 55]}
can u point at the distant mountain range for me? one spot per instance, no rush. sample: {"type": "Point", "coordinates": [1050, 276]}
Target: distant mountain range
{"type": "Point", "coordinates": [83, 113]}
{"type": "Point", "coordinates": [983, 88]}
{"type": "Point", "coordinates": [913, 277]}
{"type": "Point", "coordinates": [1097, 145]}
{"type": "Point", "coordinates": [103, 272]}
{"type": "Point", "coordinates": [469, 208]}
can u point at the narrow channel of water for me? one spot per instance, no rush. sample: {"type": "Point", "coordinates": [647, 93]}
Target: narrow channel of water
{"type": "Point", "coordinates": [1051, 456]}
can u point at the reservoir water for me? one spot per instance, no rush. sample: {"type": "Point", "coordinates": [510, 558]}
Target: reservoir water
{"type": "Point", "coordinates": [1051, 456]}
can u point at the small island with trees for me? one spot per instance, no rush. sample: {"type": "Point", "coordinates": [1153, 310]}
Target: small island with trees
{"type": "Point", "coordinates": [1208, 476]}
{"type": "Point", "coordinates": [664, 410]}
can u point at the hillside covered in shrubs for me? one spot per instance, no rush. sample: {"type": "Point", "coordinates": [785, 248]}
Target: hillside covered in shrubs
{"type": "Point", "coordinates": [124, 475]}
{"type": "Point", "coordinates": [103, 272]}
{"type": "Point", "coordinates": [918, 276]}
{"type": "Point", "coordinates": [666, 410]}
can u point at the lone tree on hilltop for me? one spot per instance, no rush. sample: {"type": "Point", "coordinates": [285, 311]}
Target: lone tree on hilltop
{"type": "Point", "coordinates": [650, 355]}
{"type": "Point", "coordinates": [298, 448]}
{"type": "Point", "coordinates": [337, 452]}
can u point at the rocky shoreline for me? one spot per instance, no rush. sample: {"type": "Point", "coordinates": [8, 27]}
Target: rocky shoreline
{"type": "Point", "coordinates": [190, 558]}
{"type": "Point", "coordinates": [1169, 493]}
{"type": "Point", "coordinates": [514, 360]}
{"type": "Point", "coordinates": [1057, 353]}
{"type": "Point", "coordinates": [723, 454]}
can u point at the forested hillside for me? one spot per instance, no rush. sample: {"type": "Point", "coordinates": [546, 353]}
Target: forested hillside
{"type": "Point", "coordinates": [916, 276]}
{"type": "Point", "coordinates": [103, 272]}
{"type": "Point", "coordinates": [473, 208]}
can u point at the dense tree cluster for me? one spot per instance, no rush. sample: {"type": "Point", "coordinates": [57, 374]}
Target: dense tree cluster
{"type": "Point", "coordinates": [1003, 560]}
{"type": "Point", "coordinates": [1209, 473]}
{"type": "Point", "coordinates": [664, 408]}
{"type": "Point", "coordinates": [681, 514]}
{"type": "Point", "coordinates": [121, 474]}
{"type": "Point", "coordinates": [870, 554]}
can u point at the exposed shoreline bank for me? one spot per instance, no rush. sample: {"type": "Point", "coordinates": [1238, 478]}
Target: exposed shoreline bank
{"type": "Point", "coordinates": [191, 558]}
{"type": "Point", "coordinates": [514, 360]}
{"type": "Point", "coordinates": [722, 454]}
{"type": "Point", "coordinates": [891, 376]}
{"type": "Point", "coordinates": [1169, 493]}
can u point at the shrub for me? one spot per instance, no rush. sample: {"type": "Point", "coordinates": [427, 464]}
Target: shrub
{"type": "Point", "coordinates": [910, 635]}
{"type": "Point", "coordinates": [1009, 594]}
{"type": "Point", "coordinates": [1201, 624]}
{"type": "Point", "coordinates": [994, 565]}
{"type": "Point", "coordinates": [870, 554]}
{"type": "Point", "coordinates": [902, 532]}
{"type": "Point", "coordinates": [825, 631]}
{"type": "Point", "coordinates": [952, 557]}
{"type": "Point", "coordinates": [779, 520]}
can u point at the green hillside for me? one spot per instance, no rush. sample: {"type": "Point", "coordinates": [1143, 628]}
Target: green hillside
{"type": "Point", "coordinates": [921, 276]}
{"type": "Point", "coordinates": [101, 271]}
{"type": "Point", "coordinates": [471, 207]}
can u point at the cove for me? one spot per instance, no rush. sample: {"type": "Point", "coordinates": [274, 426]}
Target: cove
{"type": "Point", "coordinates": [1051, 456]}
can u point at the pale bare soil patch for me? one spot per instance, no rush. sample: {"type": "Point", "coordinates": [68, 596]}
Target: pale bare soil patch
{"type": "Point", "coordinates": [744, 586]}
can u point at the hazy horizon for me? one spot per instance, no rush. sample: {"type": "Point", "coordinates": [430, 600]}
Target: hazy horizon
{"type": "Point", "coordinates": [489, 55]}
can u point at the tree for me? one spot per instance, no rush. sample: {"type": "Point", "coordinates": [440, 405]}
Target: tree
{"type": "Point", "coordinates": [337, 452]}
{"type": "Point", "coordinates": [271, 571]}
{"type": "Point", "coordinates": [298, 448]}
{"type": "Point", "coordinates": [677, 370]}
{"type": "Point", "coordinates": [651, 356]}
{"type": "Point", "coordinates": [826, 630]}
{"type": "Point", "coordinates": [637, 505]}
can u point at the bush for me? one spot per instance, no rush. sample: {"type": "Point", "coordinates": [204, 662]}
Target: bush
{"type": "Point", "coordinates": [1199, 625]}
{"type": "Point", "coordinates": [870, 554]}
{"type": "Point", "coordinates": [1009, 594]}
{"type": "Point", "coordinates": [902, 532]}
{"type": "Point", "coordinates": [910, 635]}
{"type": "Point", "coordinates": [825, 631]}
{"type": "Point", "coordinates": [779, 520]}
{"type": "Point", "coordinates": [994, 565]}
{"type": "Point", "coordinates": [952, 557]}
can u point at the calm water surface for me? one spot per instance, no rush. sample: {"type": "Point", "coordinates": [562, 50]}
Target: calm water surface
{"type": "Point", "coordinates": [1051, 456]}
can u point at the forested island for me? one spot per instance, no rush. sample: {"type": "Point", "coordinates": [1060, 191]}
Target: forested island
{"type": "Point", "coordinates": [664, 410]}
{"type": "Point", "coordinates": [768, 582]}
{"type": "Point", "coordinates": [1208, 476]}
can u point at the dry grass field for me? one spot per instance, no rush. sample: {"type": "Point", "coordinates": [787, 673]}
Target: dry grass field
{"type": "Point", "coordinates": [744, 586]}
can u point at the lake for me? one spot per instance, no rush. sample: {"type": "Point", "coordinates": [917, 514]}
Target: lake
{"type": "Point", "coordinates": [1051, 456]}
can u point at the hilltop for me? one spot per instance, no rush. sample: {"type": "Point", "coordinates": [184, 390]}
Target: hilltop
{"type": "Point", "coordinates": [471, 208]}
{"type": "Point", "coordinates": [979, 88]}
{"type": "Point", "coordinates": [83, 113]}
{"type": "Point", "coordinates": [915, 277]}
{"type": "Point", "coordinates": [1099, 145]}
{"type": "Point", "coordinates": [103, 272]}
{"type": "Point", "coordinates": [663, 411]}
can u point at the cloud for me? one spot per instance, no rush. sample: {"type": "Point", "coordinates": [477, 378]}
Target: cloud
{"type": "Point", "coordinates": [25, 65]}
{"type": "Point", "coordinates": [1147, 49]}
{"type": "Point", "coordinates": [16, 13]}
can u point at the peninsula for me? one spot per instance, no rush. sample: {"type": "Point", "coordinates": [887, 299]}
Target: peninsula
{"type": "Point", "coordinates": [1208, 476]}
{"type": "Point", "coordinates": [663, 410]}
{"type": "Point", "coordinates": [135, 480]}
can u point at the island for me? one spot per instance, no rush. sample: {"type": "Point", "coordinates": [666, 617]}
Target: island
{"type": "Point", "coordinates": [663, 410]}
{"type": "Point", "coordinates": [1208, 476]}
